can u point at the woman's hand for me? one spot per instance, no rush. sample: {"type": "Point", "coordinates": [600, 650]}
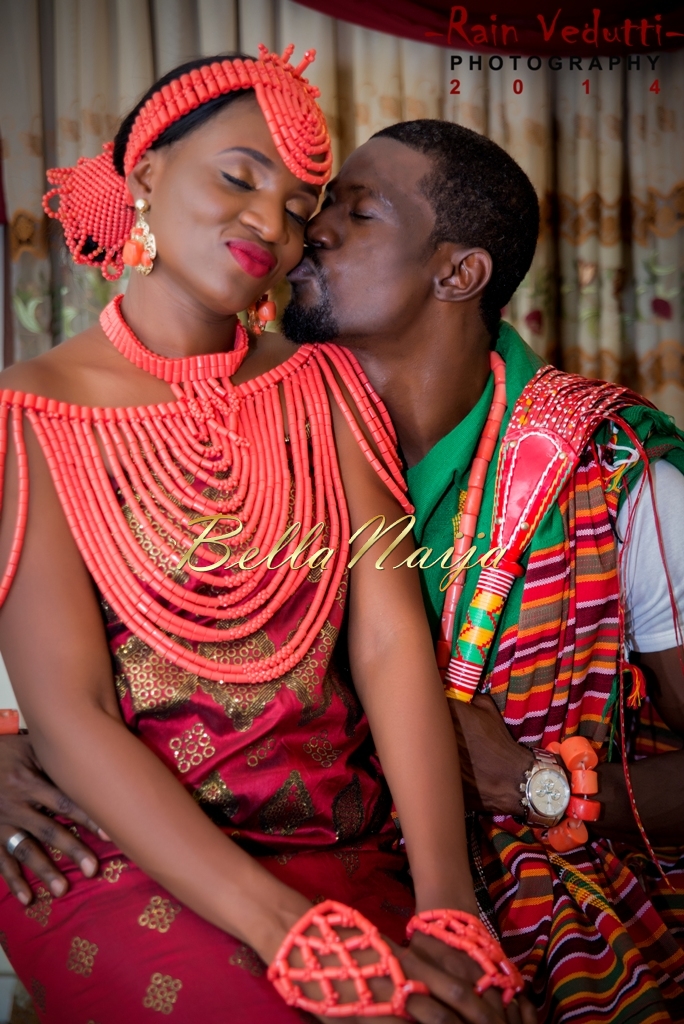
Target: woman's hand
{"type": "Point", "coordinates": [449, 974]}
{"type": "Point", "coordinates": [493, 764]}
{"type": "Point", "coordinates": [25, 796]}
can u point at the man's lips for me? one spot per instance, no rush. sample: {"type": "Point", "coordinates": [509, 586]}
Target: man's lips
{"type": "Point", "coordinates": [253, 258]}
{"type": "Point", "coordinates": [304, 271]}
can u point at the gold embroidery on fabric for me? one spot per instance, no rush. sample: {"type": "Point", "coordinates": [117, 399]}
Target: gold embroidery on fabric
{"type": "Point", "coordinates": [350, 859]}
{"type": "Point", "coordinates": [348, 811]}
{"type": "Point", "coordinates": [154, 553]}
{"type": "Point", "coordinates": [191, 747]}
{"type": "Point", "coordinates": [120, 686]}
{"type": "Point", "coordinates": [108, 612]}
{"type": "Point", "coordinates": [321, 749]}
{"type": "Point", "coordinates": [246, 958]}
{"type": "Point", "coordinates": [260, 751]}
{"type": "Point", "coordinates": [288, 809]}
{"type": "Point", "coordinates": [82, 957]}
{"type": "Point", "coordinates": [315, 702]}
{"type": "Point", "coordinates": [41, 908]}
{"type": "Point", "coordinates": [38, 994]}
{"type": "Point", "coordinates": [162, 993]}
{"type": "Point", "coordinates": [159, 915]}
{"type": "Point", "coordinates": [225, 623]}
{"type": "Point", "coordinates": [112, 873]}
{"type": "Point", "coordinates": [286, 857]}
{"type": "Point", "coordinates": [305, 682]}
{"type": "Point", "coordinates": [239, 652]}
{"type": "Point", "coordinates": [242, 702]}
{"type": "Point", "coordinates": [54, 852]}
{"type": "Point", "coordinates": [155, 684]}
{"type": "Point", "coordinates": [315, 575]}
{"type": "Point", "coordinates": [216, 799]}
{"type": "Point", "coordinates": [341, 597]}
{"type": "Point", "coordinates": [214, 494]}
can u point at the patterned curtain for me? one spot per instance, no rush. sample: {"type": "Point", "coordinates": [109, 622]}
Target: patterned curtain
{"type": "Point", "coordinates": [604, 149]}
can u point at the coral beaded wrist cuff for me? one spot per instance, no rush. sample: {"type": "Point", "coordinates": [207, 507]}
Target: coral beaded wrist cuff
{"type": "Point", "coordinates": [465, 932]}
{"type": "Point", "coordinates": [9, 722]}
{"type": "Point", "coordinates": [327, 917]}
{"type": "Point", "coordinates": [580, 758]}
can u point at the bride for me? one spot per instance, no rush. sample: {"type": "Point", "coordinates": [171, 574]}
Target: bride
{"type": "Point", "coordinates": [190, 694]}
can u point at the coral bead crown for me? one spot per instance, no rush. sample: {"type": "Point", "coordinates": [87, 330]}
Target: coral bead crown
{"type": "Point", "coordinates": [96, 208]}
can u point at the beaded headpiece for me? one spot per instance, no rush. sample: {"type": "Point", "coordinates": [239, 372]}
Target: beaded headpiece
{"type": "Point", "coordinates": [95, 207]}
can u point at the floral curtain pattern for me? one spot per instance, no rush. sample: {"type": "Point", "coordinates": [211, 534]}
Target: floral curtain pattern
{"type": "Point", "coordinates": [604, 149]}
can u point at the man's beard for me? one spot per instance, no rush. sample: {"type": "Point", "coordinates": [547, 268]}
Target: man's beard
{"type": "Point", "coordinates": [303, 324]}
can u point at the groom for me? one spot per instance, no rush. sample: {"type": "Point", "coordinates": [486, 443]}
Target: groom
{"type": "Point", "coordinates": [423, 237]}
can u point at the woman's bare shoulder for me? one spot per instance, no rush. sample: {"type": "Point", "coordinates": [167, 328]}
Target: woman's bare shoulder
{"type": "Point", "coordinates": [53, 373]}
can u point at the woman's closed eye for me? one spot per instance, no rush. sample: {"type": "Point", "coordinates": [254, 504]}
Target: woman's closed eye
{"type": "Point", "coordinates": [247, 187]}
{"type": "Point", "coordinates": [238, 181]}
{"type": "Point", "coordinates": [296, 217]}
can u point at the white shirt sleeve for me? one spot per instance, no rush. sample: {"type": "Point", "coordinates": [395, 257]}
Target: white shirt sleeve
{"type": "Point", "coordinates": [649, 620]}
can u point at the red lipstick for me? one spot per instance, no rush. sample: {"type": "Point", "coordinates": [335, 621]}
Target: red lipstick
{"type": "Point", "coordinates": [254, 259]}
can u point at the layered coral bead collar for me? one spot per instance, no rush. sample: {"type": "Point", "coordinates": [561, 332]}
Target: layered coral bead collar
{"type": "Point", "coordinates": [173, 371]}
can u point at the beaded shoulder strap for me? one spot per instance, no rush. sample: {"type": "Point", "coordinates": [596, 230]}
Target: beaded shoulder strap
{"type": "Point", "coordinates": [550, 426]}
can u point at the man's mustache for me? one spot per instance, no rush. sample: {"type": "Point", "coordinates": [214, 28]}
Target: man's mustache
{"type": "Point", "coordinates": [311, 254]}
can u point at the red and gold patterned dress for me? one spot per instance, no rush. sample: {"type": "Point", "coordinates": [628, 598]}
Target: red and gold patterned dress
{"type": "Point", "coordinates": [281, 760]}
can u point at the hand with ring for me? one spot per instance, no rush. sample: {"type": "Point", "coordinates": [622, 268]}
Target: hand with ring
{"type": "Point", "coordinates": [28, 801]}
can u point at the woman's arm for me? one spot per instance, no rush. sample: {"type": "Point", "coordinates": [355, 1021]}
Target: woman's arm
{"type": "Point", "coordinates": [53, 641]}
{"type": "Point", "coordinates": [395, 673]}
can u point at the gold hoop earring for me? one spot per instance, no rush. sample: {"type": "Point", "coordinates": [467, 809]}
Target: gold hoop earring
{"type": "Point", "coordinates": [140, 250]}
{"type": "Point", "coordinates": [260, 313]}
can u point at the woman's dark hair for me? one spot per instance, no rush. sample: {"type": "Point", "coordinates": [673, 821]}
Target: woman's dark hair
{"type": "Point", "coordinates": [481, 198]}
{"type": "Point", "coordinates": [186, 124]}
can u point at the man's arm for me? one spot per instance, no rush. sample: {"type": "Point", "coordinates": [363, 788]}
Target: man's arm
{"type": "Point", "coordinates": [493, 764]}
{"type": "Point", "coordinates": [655, 780]}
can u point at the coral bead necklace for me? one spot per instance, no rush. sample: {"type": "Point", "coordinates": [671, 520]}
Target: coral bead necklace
{"type": "Point", "coordinates": [213, 467]}
{"type": "Point", "coordinates": [467, 522]}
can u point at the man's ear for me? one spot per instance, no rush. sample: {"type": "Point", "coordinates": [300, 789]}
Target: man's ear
{"type": "Point", "coordinates": [464, 273]}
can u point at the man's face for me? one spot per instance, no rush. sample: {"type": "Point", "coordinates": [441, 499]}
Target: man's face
{"type": "Point", "coordinates": [369, 270]}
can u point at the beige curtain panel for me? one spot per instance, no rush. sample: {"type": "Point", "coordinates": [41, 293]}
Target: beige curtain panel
{"type": "Point", "coordinates": [604, 149]}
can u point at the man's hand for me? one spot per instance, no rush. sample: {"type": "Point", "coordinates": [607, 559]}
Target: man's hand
{"type": "Point", "coordinates": [493, 764]}
{"type": "Point", "coordinates": [449, 974]}
{"type": "Point", "coordinates": [25, 797]}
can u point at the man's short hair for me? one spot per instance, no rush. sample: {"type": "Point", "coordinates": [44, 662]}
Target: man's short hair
{"type": "Point", "coordinates": [481, 198]}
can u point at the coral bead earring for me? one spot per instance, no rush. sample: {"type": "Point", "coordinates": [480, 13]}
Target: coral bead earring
{"type": "Point", "coordinates": [140, 249]}
{"type": "Point", "coordinates": [260, 313]}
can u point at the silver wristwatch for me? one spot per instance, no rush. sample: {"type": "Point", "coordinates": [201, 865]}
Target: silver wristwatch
{"type": "Point", "coordinates": [546, 789]}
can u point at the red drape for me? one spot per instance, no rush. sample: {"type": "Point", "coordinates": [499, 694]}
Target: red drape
{"type": "Point", "coordinates": [611, 27]}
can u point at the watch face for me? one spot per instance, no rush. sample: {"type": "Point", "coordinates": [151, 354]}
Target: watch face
{"type": "Point", "coordinates": [549, 792]}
